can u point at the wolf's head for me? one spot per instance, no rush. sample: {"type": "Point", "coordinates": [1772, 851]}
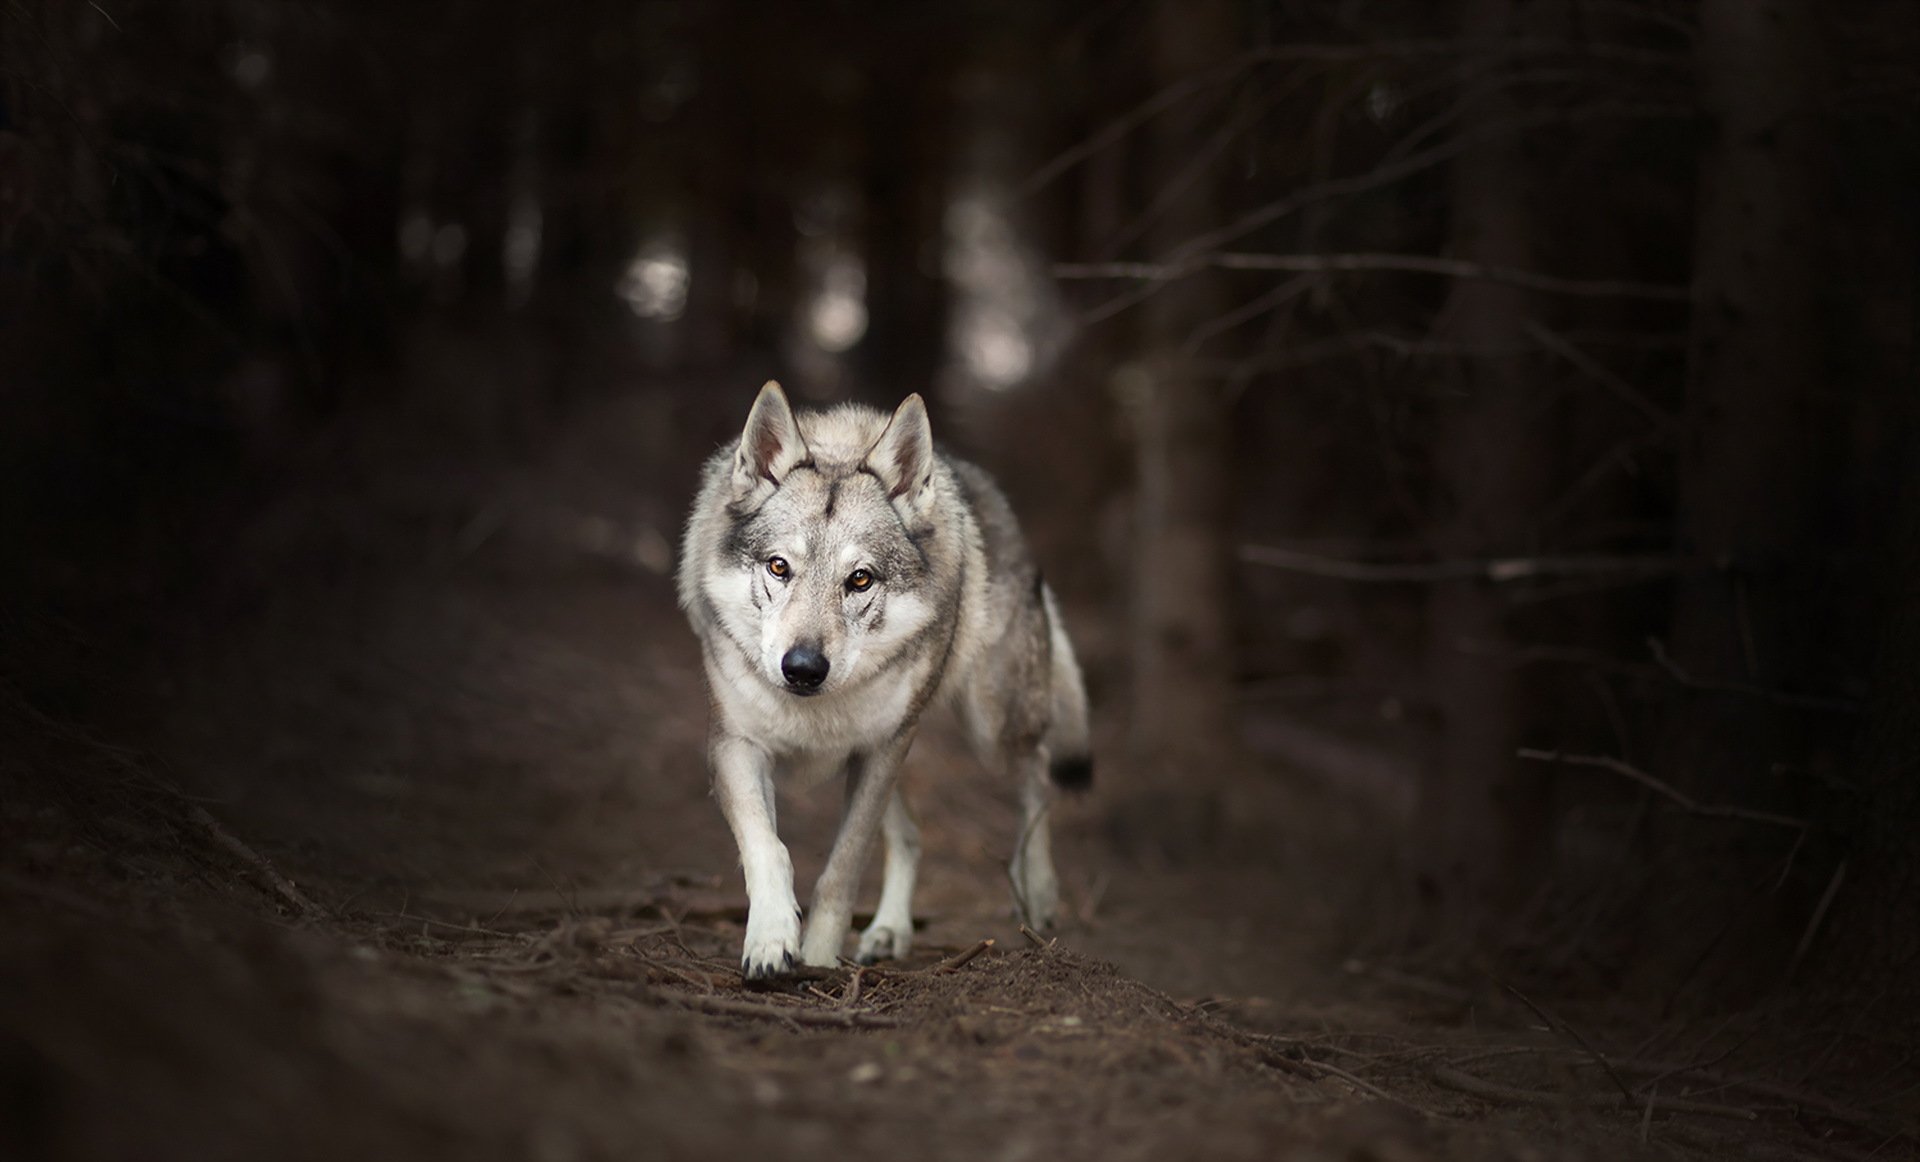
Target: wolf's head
{"type": "Point", "coordinates": [824, 574]}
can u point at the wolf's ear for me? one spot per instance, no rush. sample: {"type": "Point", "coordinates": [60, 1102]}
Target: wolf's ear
{"type": "Point", "coordinates": [770, 446]}
{"type": "Point", "coordinates": [903, 455]}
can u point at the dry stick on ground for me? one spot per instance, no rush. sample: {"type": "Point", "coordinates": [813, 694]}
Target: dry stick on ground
{"type": "Point", "coordinates": [1559, 1026]}
{"type": "Point", "coordinates": [827, 1018]}
{"type": "Point", "coordinates": [852, 992]}
{"type": "Point", "coordinates": [281, 886]}
{"type": "Point", "coordinates": [961, 960]}
{"type": "Point", "coordinates": [1686, 802]}
{"type": "Point", "coordinates": [1453, 1079]}
{"type": "Point", "coordinates": [1273, 1053]}
{"type": "Point", "coordinates": [196, 815]}
{"type": "Point", "coordinates": [1779, 1091]}
{"type": "Point", "coordinates": [1368, 1087]}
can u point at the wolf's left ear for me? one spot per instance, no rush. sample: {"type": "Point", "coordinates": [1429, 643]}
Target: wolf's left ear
{"type": "Point", "coordinates": [770, 446]}
{"type": "Point", "coordinates": [903, 455]}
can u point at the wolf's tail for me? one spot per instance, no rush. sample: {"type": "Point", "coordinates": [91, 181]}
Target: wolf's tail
{"type": "Point", "coordinates": [1069, 738]}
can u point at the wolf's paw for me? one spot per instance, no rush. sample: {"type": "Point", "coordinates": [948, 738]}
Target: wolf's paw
{"type": "Point", "coordinates": [772, 947]}
{"type": "Point", "coordinates": [884, 942]}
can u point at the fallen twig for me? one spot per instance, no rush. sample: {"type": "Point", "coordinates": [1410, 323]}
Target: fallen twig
{"type": "Point", "coordinates": [828, 1018]}
{"type": "Point", "coordinates": [853, 986]}
{"type": "Point", "coordinates": [1467, 1083]}
{"type": "Point", "coordinates": [1368, 1087]}
{"type": "Point", "coordinates": [960, 961]}
{"type": "Point", "coordinates": [1674, 794]}
{"type": "Point", "coordinates": [228, 842]}
{"type": "Point", "coordinates": [469, 929]}
{"type": "Point", "coordinates": [1760, 1087]}
{"type": "Point", "coordinates": [1560, 1026]}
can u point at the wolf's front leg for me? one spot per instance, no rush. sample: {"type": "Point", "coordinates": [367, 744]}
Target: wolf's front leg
{"type": "Point", "coordinates": [870, 780]}
{"type": "Point", "coordinates": [743, 782]}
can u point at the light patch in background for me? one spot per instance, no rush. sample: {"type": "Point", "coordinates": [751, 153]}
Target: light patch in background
{"type": "Point", "coordinates": [520, 247]}
{"type": "Point", "coordinates": [1382, 102]}
{"type": "Point", "coordinates": [656, 280]}
{"type": "Point", "coordinates": [416, 236]}
{"type": "Point", "coordinates": [251, 66]}
{"type": "Point", "coordinates": [837, 309]}
{"type": "Point", "coordinates": [1006, 324]}
{"type": "Point", "coordinates": [449, 244]}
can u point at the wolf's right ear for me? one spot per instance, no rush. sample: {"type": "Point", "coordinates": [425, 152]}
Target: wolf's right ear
{"type": "Point", "coordinates": [769, 447]}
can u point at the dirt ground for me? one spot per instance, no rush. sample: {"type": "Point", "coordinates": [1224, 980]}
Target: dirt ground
{"type": "Point", "coordinates": [414, 858]}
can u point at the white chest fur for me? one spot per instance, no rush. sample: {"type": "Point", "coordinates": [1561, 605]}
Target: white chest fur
{"type": "Point", "coordinates": [805, 732]}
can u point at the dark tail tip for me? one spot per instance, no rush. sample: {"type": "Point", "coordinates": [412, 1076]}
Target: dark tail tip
{"type": "Point", "coordinates": [1072, 774]}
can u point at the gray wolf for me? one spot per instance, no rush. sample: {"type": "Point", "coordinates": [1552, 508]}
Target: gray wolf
{"type": "Point", "coordinates": [843, 576]}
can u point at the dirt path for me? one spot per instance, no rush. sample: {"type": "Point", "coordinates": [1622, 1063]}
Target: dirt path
{"type": "Point", "coordinates": [484, 771]}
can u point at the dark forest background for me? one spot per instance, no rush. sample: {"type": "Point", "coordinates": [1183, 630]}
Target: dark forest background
{"type": "Point", "coordinates": [1501, 410]}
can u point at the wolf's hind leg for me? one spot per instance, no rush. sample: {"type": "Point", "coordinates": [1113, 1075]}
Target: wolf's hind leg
{"type": "Point", "coordinates": [869, 790]}
{"type": "Point", "coordinates": [1036, 888]}
{"type": "Point", "coordinates": [891, 933]}
{"type": "Point", "coordinates": [743, 782]}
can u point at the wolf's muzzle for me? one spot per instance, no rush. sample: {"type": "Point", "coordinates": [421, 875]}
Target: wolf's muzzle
{"type": "Point", "coordinates": [804, 668]}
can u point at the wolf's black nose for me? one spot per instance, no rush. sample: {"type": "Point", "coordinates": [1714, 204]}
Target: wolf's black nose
{"type": "Point", "coordinates": [804, 666]}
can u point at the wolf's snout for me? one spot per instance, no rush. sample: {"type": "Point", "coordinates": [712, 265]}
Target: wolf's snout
{"type": "Point", "coordinates": [804, 667]}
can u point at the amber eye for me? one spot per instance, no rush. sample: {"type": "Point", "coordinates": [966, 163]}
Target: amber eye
{"type": "Point", "coordinates": [778, 567]}
{"type": "Point", "coordinates": [860, 581]}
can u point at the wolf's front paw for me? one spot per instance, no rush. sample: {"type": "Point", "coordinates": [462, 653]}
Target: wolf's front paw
{"type": "Point", "coordinates": [884, 942]}
{"type": "Point", "coordinates": [772, 946]}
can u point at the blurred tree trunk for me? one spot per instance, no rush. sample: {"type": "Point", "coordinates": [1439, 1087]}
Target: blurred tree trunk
{"type": "Point", "coordinates": [907, 113]}
{"type": "Point", "coordinates": [1485, 815]}
{"type": "Point", "coordinates": [1873, 944]}
{"type": "Point", "coordinates": [1182, 706]}
{"type": "Point", "coordinates": [1747, 464]}
{"type": "Point", "coordinates": [1868, 954]}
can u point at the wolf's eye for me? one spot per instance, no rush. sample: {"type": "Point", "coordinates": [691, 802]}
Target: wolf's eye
{"type": "Point", "coordinates": [860, 581]}
{"type": "Point", "coordinates": [778, 567]}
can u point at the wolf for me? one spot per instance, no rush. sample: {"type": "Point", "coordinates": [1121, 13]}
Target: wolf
{"type": "Point", "coordinates": [843, 576]}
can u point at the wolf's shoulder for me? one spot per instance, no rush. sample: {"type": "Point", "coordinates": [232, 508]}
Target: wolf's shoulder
{"type": "Point", "coordinates": [1000, 537]}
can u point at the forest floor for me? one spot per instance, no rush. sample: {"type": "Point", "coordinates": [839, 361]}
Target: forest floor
{"type": "Point", "coordinates": [419, 863]}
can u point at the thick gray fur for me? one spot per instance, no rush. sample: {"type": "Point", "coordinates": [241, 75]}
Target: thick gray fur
{"type": "Point", "coordinates": [954, 611]}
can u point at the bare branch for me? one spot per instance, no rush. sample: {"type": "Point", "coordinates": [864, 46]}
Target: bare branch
{"type": "Point", "coordinates": [1426, 159]}
{"type": "Point", "coordinates": [1633, 396]}
{"type": "Point", "coordinates": [1499, 570]}
{"type": "Point", "coordinates": [1809, 701]}
{"type": "Point", "coordinates": [1126, 123]}
{"type": "Point", "coordinates": [1667, 790]}
{"type": "Point", "coordinates": [1813, 923]}
{"type": "Point", "coordinates": [1410, 263]}
{"type": "Point", "coordinates": [1173, 94]}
